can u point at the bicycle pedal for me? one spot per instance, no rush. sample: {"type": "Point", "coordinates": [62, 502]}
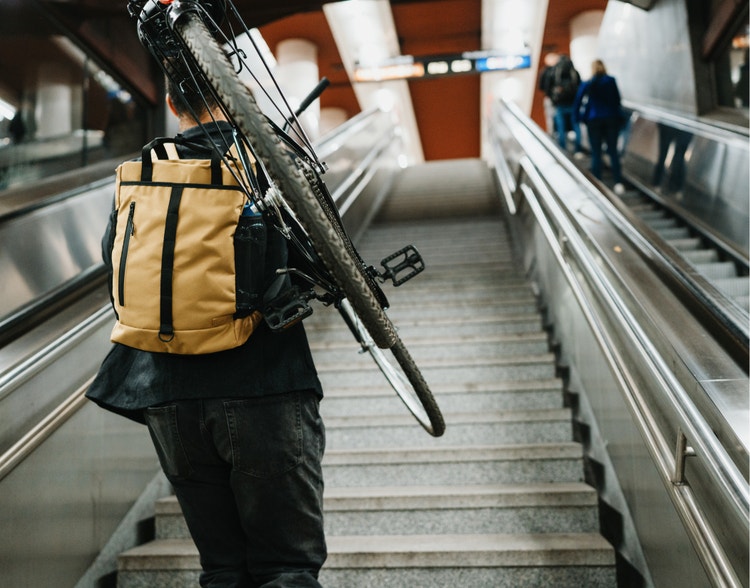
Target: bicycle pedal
{"type": "Point", "coordinates": [402, 265]}
{"type": "Point", "coordinates": [286, 310]}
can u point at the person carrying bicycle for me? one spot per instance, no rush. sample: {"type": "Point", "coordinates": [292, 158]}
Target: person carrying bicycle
{"type": "Point", "coordinates": [237, 432]}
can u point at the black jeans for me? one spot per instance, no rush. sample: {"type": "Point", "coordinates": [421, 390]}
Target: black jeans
{"type": "Point", "coordinates": [247, 474]}
{"type": "Point", "coordinates": [604, 130]}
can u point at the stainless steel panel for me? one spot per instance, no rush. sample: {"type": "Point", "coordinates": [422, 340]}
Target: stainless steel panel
{"type": "Point", "coordinates": [60, 506]}
{"type": "Point", "coordinates": [46, 248]}
{"type": "Point", "coordinates": [40, 370]}
{"type": "Point", "coordinates": [700, 171]}
{"type": "Point", "coordinates": [639, 46]}
{"type": "Point", "coordinates": [634, 485]}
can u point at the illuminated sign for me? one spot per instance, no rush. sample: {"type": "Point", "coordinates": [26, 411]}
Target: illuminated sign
{"type": "Point", "coordinates": [469, 62]}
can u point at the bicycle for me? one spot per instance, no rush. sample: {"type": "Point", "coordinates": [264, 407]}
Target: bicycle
{"type": "Point", "coordinates": [289, 191]}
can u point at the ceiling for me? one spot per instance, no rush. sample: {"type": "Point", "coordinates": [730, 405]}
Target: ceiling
{"type": "Point", "coordinates": [447, 109]}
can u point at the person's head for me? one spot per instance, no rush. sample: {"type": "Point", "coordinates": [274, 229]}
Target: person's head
{"type": "Point", "coordinates": [188, 99]}
{"type": "Point", "coordinates": [597, 68]}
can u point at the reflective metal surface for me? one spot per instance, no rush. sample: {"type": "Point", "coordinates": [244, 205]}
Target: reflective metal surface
{"type": "Point", "coordinates": [700, 171]}
{"type": "Point", "coordinates": [641, 46]}
{"type": "Point", "coordinates": [641, 378]}
{"type": "Point", "coordinates": [42, 250]}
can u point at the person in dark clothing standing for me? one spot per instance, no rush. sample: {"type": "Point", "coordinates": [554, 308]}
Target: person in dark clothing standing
{"type": "Point", "coordinates": [237, 432]}
{"type": "Point", "coordinates": [599, 99]}
{"type": "Point", "coordinates": [560, 83]}
{"type": "Point", "coordinates": [545, 85]}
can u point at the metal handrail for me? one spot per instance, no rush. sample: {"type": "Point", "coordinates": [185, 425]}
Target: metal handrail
{"type": "Point", "coordinates": [730, 481]}
{"type": "Point", "coordinates": [725, 309]}
{"type": "Point", "coordinates": [43, 430]}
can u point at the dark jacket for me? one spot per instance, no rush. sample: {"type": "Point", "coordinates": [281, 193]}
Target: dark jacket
{"type": "Point", "coordinates": [130, 380]}
{"type": "Point", "coordinates": [598, 97]}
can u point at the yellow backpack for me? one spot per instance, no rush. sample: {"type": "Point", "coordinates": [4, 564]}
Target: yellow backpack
{"type": "Point", "coordinates": [186, 261]}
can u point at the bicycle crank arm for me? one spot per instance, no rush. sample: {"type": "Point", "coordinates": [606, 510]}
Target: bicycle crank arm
{"type": "Point", "coordinates": [402, 266]}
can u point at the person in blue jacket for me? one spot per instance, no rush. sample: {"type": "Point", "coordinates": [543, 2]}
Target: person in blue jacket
{"type": "Point", "coordinates": [597, 104]}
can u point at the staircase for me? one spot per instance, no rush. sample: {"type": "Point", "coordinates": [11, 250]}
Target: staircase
{"type": "Point", "coordinates": [497, 501]}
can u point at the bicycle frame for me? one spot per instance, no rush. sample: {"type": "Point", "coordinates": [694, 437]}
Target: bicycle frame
{"type": "Point", "coordinates": [323, 263]}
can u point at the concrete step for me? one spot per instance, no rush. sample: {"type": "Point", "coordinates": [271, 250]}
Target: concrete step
{"type": "Point", "coordinates": [438, 328]}
{"type": "Point", "coordinates": [461, 310]}
{"type": "Point", "coordinates": [498, 501]}
{"type": "Point", "coordinates": [405, 510]}
{"type": "Point", "coordinates": [522, 367]}
{"type": "Point", "coordinates": [497, 560]}
{"type": "Point", "coordinates": [448, 347]}
{"type": "Point", "coordinates": [487, 464]}
{"type": "Point", "coordinates": [381, 399]}
{"type": "Point", "coordinates": [482, 428]}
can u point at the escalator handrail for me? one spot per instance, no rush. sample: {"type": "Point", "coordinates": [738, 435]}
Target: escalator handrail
{"type": "Point", "coordinates": [730, 481]}
{"type": "Point", "coordinates": [727, 317]}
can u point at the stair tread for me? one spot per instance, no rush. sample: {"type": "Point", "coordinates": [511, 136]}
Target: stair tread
{"type": "Point", "coordinates": [478, 550]}
{"type": "Point", "coordinates": [453, 496]}
{"type": "Point", "coordinates": [520, 451]}
{"type": "Point", "coordinates": [530, 385]}
{"type": "Point", "coordinates": [493, 416]}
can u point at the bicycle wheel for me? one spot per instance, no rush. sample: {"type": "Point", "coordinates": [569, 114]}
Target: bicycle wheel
{"type": "Point", "coordinates": [404, 376]}
{"type": "Point", "coordinates": [241, 106]}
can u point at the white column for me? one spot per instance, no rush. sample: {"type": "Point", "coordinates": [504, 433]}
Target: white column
{"type": "Point", "coordinates": [584, 40]}
{"type": "Point", "coordinates": [297, 74]}
{"type": "Point", "coordinates": [54, 105]}
{"type": "Point", "coordinates": [514, 28]}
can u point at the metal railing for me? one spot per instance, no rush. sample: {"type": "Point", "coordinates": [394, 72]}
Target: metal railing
{"type": "Point", "coordinates": [581, 260]}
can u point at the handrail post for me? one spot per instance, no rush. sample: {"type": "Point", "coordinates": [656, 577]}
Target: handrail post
{"type": "Point", "coordinates": [682, 452]}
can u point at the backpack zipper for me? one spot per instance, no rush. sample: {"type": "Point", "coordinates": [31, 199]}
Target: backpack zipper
{"type": "Point", "coordinates": [129, 230]}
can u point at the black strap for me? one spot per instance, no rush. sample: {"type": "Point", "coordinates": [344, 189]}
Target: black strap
{"type": "Point", "coordinates": [166, 329]}
{"type": "Point", "coordinates": [217, 178]}
{"type": "Point", "coordinates": [147, 166]}
{"type": "Point", "coordinates": [157, 145]}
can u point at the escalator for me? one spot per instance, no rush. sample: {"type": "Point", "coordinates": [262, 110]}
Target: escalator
{"type": "Point", "coordinates": [728, 275]}
{"type": "Point", "coordinates": [656, 352]}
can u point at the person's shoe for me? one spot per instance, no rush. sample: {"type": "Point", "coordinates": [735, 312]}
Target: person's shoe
{"type": "Point", "coordinates": [578, 155]}
{"type": "Point", "coordinates": [619, 189]}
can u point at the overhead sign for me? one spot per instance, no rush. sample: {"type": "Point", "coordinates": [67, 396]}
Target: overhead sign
{"type": "Point", "coordinates": [469, 62]}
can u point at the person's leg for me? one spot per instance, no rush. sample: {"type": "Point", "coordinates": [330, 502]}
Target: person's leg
{"type": "Point", "coordinates": [561, 126]}
{"type": "Point", "coordinates": [595, 139]}
{"type": "Point", "coordinates": [612, 131]}
{"type": "Point", "coordinates": [577, 130]}
{"type": "Point", "coordinates": [200, 479]}
{"type": "Point", "coordinates": [277, 444]}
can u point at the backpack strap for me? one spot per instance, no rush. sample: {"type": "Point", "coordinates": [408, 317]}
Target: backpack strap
{"type": "Point", "coordinates": [166, 328]}
{"type": "Point", "coordinates": [164, 148]}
